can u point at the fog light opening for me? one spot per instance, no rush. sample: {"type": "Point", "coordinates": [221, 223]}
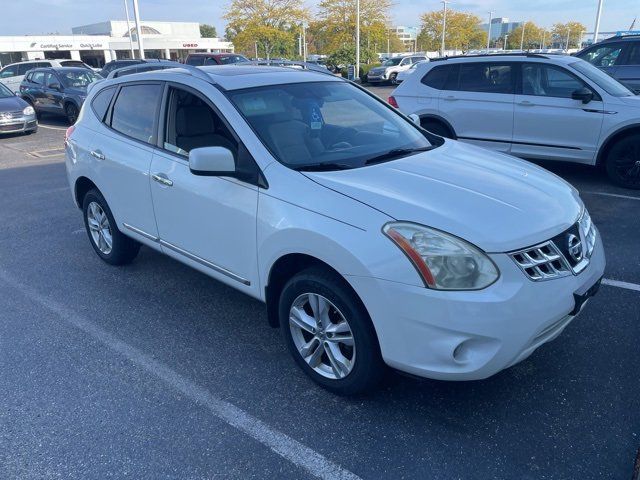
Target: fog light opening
{"type": "Point", "coordinates": [461, 352]}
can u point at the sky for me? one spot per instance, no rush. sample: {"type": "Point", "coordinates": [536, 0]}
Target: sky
{"type": "Point", "coordinates": [58, 16]}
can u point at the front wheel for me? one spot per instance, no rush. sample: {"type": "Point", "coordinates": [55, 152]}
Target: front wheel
{"type": "Point", "coordinates": [393, 78]}
{"type": "Point", "coordinates": [623, 162]}
{"type": "Point", "coordinates": [71, 111]}
{"type": "Point", "coordinates": [329, 333]}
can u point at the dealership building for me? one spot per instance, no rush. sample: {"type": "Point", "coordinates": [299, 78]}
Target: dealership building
{"type": "Point", "coordinates": [102, 42]}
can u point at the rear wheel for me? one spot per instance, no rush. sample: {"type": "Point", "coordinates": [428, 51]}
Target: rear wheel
{"type": "Point", "coordinates": [329, 333]}
{"type": "Point", "coordinates": [71, 111]}
{"type": "Point", "coordinates": [108, 242]}
{"type": "Point", "coordinates": [437, 128]}
{"type": "Point", "coordinates": [623, 162]}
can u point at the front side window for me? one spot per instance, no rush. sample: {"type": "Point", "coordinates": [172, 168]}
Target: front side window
{"type": "Point", "coordinates": [195, 61]}
{"type": "Point", "coordinates": [548, 81]}
{"type": "Point", "coordinates": [10, 71]}
{"type": "Point", "coordinates": [5, 92]}
{"type": "Point", "coordinates": [50, 79]}
{"type": "Point", "coordinates": [77, 78]}
{"type": "Point", "coordinates": [604, 56]}
{"type": "Point", "coordinates": [37, 77]}
{"type": "Point", "coordinates": [228, 59]}
{"type": "Point", "coordinates": [23, 68]}
{"type": "Point", "coordinates": [392, 62]}
{"type": "Point", "coordinates": [326, 125]}
{"type": "Point", "coordinates": [135, 111]}
{"type": "Point", "coordinates": [486, 78]}
{"type": "Point", "coordinates": [191, 123]}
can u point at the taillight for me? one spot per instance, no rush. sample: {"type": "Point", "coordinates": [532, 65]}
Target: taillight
{"type": "Point", "coordinates": [392, 102]}
{"type": "Point", "coordinates": [68, 133]}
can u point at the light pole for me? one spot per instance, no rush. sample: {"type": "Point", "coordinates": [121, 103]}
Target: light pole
{"type": "Point", "coordinates": [568, 33]}
{"type": "Point", "coordinates": [544, 33]}
{"type": "Point", "coordinates": [597, 29]}
{"type": "Point", "coordinates": [304, 42]}
{"type": "Point", "coordinates": [136, 15]}
{"type": "Point", "coordinates": [489, 32]}
{"type": "Point", "coordinates": [126, 10]}
{"type": "Point", "coordinates": [357, 72]}
{"type": "Point", "coordinates": [506, 36]}
{"type": "Point", "coordinates": [444, 23]}
{"type": "Point", "coordinates": [524, 24]}
{"type": "Point", "coordinates": [256, 45]}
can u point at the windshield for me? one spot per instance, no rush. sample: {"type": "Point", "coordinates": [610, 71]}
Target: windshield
{"type": "Point", "coordinates": [77, 78]}
{"type": "Point", "coordinates": [327, 125]}
{"type": "Point", "coordinates": [5, 92]}
{"type": "Point", "coordinates": [602, 79]}
{"type": "Point", "coordinates": [392, 62]}
{"type": "Point", "coordinates": [227, 59]}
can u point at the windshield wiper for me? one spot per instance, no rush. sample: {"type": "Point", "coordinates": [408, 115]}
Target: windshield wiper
{"type": "Point", "coordinates": [322, 167]}
{"type": "Point", "coordinates": [395, 153]}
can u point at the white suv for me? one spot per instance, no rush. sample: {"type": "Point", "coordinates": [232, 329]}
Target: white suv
{"type": "Point", "coordinates": [13, 74]}
{"type": "Point", "coordinates": [389, 70]}
{"type": "Point", "coordinates": [370, 240]}
{"type": "Point", "coordinates": [534, 106]}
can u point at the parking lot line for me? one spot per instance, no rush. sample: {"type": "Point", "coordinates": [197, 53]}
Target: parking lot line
{"type": "Point", "coordinates": [52, 128]}
{"type": "Point", "coordinates": [619, 284]}
{"type": "Point", "coordinates": [615, 195]}
{"type": "Point", "coordinates": [295, 452]}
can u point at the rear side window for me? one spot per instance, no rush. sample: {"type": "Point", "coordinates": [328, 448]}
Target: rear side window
{"type": "Point", "coordinates": [486, 78]}
{"type": "Point", "coordinates": [10, 71]}
{"type": "Point", "coordinates": [23, 68]}
{"type": "Point", "coordinates": [196, 61]}
{"type": "Point", "coordinates": [101, 101]}
{"type": "Point", "coordinates": [135, 111]}
{"type": "Point", "coordinates": [436, 77]}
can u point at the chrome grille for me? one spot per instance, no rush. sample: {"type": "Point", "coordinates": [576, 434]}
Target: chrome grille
{"type": "Point", "coordinates": [542, 262]}
{"type": "Point", "coordinates": [11, 115]}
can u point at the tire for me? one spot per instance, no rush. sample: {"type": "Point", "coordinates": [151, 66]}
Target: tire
{"type": "Point", "coordinates": [623, 162]}
{"type": "Point", "coordinates": [121, 249]}
{"type": "Point", "coordinates": [357, 368]}
{"type": "Point", "coordinates": [392, 78]}
{"type": "Point", "coordinates": [437, 128]}
{"type": "Point", "coordinates": [71, 111]}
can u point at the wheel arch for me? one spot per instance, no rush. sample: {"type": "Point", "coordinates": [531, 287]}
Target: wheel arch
{"type": "Point", "coordinates": [612, 139]}
{"type": "Point", "coordinates": [82, 186]}
{"type": "Point", "coordinates": [437, 118]}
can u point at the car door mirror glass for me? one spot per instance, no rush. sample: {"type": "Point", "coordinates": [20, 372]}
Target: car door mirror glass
{"type": "Point", "coordinates": [584, 94]}
{"type": "Point", "coordinates": [212, 161]}
{"type": "Point", "coordinates": [55, 86]}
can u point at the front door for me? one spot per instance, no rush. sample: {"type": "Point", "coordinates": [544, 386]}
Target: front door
{"type": "Point", "coordinates": [548, 123]}
{"type": "Point", "coordinates": [209, 222]}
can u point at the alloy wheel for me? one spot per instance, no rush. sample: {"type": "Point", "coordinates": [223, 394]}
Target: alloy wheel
{"type": "Point", "coordinates": [627, 165]}
{"type": "Point", "coordinates": [322, 336]}
{"type": "Point", "coordinates": [99, 228]}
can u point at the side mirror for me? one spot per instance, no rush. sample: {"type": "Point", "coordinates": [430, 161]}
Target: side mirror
{"type": "Point", "coordinates": [55, 86]}
{"type": "Point", "coordinates": [415, 118]}
{"type": "Point", "coordinates": [583, 94]}
{"type": "Point", "coordinates": [212, 162]}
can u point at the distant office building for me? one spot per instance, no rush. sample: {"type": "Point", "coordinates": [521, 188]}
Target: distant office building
{"type": "Point", "coordinates": [500, 27]}
{"type": "Point", "coordinates": [408, 36]}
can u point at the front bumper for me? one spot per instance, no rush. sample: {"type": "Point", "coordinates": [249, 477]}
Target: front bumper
{"type": "Point", "coordinates": [474, 334]}
{"type": "Point", "coordinates": [25, 123]}
{"type": "Point", "coordinates": [377, 77]}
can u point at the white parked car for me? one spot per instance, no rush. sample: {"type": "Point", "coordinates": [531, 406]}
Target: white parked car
{"type": "Point", "coordinates": [13, 74]}
{"type": "Point", "coordinates": [389, 70]}
{"type": "Point", "coordinates": [371, 240]}
{"type": "Point", "coordinates": [402, 76]}
{"type": "Point", "coordinates": [536, 106]}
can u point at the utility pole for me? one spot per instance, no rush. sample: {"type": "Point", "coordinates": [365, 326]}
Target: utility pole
{"type": "Point", "coordinates": [126, 10]}
{"type": "Point", "coordinates": [304, 42]}
{"type": "Point", "coordinates": [597, 29]}
{"type": "Point", "coordinates": [444, 23]}
{"type": "Point", "coordinates": [256, 45]}
{"type": "Point", "coordinates": [524, 24]}
{"type": "Point", "coordinates": [136, 15]}
{"type": "Point", "coordinates": [544, 33]}
{"type": "Point", "coordinates": [388, 42]}
{"type": "Point", "coordinates": [357, 72]}
{"type": "Point", "coordinates": [506, 36]}
{"type": "Point", "coordinates": [489, 32]}
{"type": "Point", "coordinates": [568, 33]}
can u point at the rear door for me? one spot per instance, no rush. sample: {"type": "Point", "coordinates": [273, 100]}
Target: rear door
{"type": "Point", "coordinates": [33, 88]}
{"type": "Point", "coordinates": [548, 123]}
{"type": "Point", "coordinates": [477, 101]}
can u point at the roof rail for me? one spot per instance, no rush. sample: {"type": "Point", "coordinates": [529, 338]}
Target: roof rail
{"type": "Point", "coordinates": [196, 72]}
{"type": "Point", "coordinates": [474, 55]}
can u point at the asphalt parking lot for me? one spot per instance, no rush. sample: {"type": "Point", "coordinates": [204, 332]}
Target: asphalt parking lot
{"type": "Point", "coordinates": [156, 371]}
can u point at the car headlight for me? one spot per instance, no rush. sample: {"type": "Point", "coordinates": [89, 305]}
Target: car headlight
{"type": "Point", "coordinates": [28, 111]}
{"type": "Point", "coordinates": [444, 262]}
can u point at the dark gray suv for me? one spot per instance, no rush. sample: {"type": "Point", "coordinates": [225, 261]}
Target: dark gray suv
{"type": "Point", "coordinates": [619, 56]}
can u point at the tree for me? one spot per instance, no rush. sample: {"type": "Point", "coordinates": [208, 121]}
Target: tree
{"type": "Point", "coordinates": [532, 37]}
{"type": "Point", "coordinates": [462, 32]}
{"type": "Point", "coordinates": [207, 31]}
{"type": "Point", "coordinates": [559, 33]}
{"type": "Point", "coordinates": [272, 24]}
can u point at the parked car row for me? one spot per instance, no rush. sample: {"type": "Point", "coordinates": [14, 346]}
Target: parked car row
{"type": "Point", "coordinates": [11, 75]}
{"type": "Point", "coordinates": [552, 107]}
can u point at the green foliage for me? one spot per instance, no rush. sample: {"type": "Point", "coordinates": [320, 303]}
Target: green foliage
{"type": "Point", "coordinates": [207, 31]}
{"type": "Point", "coordinates": [559, 33]}
{"type": "Point", "coordinates": [462, 32]}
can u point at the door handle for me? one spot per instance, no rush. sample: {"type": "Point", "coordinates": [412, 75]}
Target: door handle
{"type": "Point", "coordinates": [450, 98]}
{"type": "Point", "coordinates": [526, 103]}
{"type": "Point", "coordinates": [162, 179]}
{"type": "Point", "coordinates": [97, 154]}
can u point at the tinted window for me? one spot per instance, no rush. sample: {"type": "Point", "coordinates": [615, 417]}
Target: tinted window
{"type": "Point", "coordinates": [41, 65]}
{"type": "Point", "coordinates": [548, 81]}
{"type": "Point", "coordinates": [197, 61]}
{"type": "Point", "coordinates": [37, 77]}
{"type": "Point", "coordinates": [50, 79]}
{"type": "Point", "coordinates": [73, 63]}
{"type": "Point", "coordinates": [436, 77]}
{"type": "Point", "coordinates": [227, 59]}
{"type": "Point", "coordinates": [603, 56]}
{"type": "Point", "coordinates": [23, 68]}
{"type": "Point", "coordinates": [486, 78]}
{"type": "Point", "coordinates": [135, 111]}
{"type": "Point", "coordinates": [9, 71]}
{"type": "Point", "coordinates": [634, 54]}
{"type": "Point", "coordinates": [101, 102]}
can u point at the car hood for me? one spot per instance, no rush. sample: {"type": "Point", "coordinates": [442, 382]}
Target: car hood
{"type": "Point", "coordinates": [495, 201]}
{"type": "Point", "coordinates": [12, 104]}
{"type": "Point", "coordinates": [633, 101]}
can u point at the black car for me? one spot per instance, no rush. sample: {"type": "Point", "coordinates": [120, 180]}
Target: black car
{"type": "Point", "coordinates": [619, 56]}
{"type": "Point", "coordinates": [58, 90]}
